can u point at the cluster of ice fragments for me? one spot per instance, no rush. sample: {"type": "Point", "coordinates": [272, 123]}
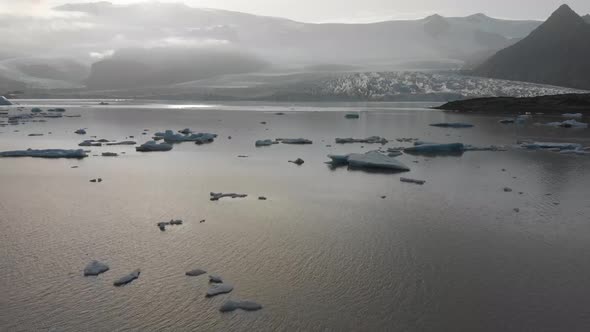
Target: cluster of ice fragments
{"type": "Point", "coordinates": [46, 153]}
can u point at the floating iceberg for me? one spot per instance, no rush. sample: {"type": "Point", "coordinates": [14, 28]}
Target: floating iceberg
{"type": "Point", "coordinates": [90, 142]}
{"type": "Point", "coordinates": [151, 146]}
{"type": "Point", "coordinates": [294, 141]}
{"type": "Point", "coordinates": [369, 140]}
{"type": "Point", "coordinates": [232, 305]}
{"type": "Point", "coordinates": [122, 143]}
{"type": "Point", "coordinates": [80, 132]}
{"type": "Point", "coordinates": [408, 180]}
{"type": "Point", "coordinates": [47, 153]}
{"type": "Point", "coordinates": [4, 101]}
{"type": "Point", "coordinates": [110, 154]}
{"type": "Point", "coordinates": [552, 145]}
{"type": "Point", "coordinates": [219, 289]}
{"type": "Point", "coordinates": [506, 121]}
{"type": "Point", "coordinates": [572, 115]}
{"type": "Point", "coordinates": [217, 196]}
{"type": "Point", "coordinates": [371, 159]}
{"type": "Point", "coordinates": [352, 116]}
{"type": "Point", "coordinates": [265, 142]}
{"type": "Point", "coordinates": [577, 152]}
{"type": "Point", "coordinates": [452, 125]}
{"type": "Point", "coordinates": [171, 137]}
{"type": "Point", "coordinates": [436, 148]}
{"type": "Point", "coordinates": [568, 124]}
{"type": "Point", "coordinates": [214, 278]}
{"type": "Point", "coordinates": [95, 268]}
{"type": "Point", "coordinates": [297, 161]}
{"type": "Point", "coordinates": [195, 272]}
{"type": "Point", "coordinates": [36, 110]}
{"type": "Point", "coordinates": [127, 279]}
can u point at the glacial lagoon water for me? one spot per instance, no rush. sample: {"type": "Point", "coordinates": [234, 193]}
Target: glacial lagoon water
{"type": "Point", "coordinates": [324, 252]}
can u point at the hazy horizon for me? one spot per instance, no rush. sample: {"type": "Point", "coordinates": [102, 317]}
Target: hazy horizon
{"type": "Point", "coordinates": [334, 11]}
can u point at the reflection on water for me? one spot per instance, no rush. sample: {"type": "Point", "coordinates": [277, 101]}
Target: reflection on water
{"type": "Point", "coordinates": [324, 252]}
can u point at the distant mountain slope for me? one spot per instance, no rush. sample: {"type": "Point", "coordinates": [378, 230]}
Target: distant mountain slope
{"type": "Point", "coordinates": [586, 18]}
{"type": "Point", "coordinates": [557, 53]}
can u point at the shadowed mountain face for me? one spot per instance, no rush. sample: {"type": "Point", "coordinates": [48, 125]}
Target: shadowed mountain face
{"type": "Point", "coordinates": [556, 53]}
{"type": "Point", "coordinates": [92, 32]}
{"type": "Point", "coordinates": [586, 18]}
{"type": "Point", "coordinates": [132, 68]}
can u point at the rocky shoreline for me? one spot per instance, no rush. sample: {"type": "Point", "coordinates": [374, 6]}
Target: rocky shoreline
{"type": "Point", "coordinates": [551, 104]}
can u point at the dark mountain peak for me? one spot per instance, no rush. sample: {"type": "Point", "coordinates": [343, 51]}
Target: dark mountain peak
{"type": "Point", "coordinates": [434, 17]}
{"type": "Point", "coordinates": [563, 14]}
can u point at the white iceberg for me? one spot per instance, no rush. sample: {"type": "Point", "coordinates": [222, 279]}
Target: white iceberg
{"type": "Point", "coordinates": [127, 279]}
{"type": "Point", "coordinates": [151, 146]}
{"type": "Point", "coordinates": [217, 289]}
{"type": "Point", "coordinates": [232, 305]}
{"type": "Point", "coordinates": [47, 153]}
{"type": "Point", "coordinates": [4, 101]}
{"type": "Point", "coordinates": [122, 143]}
{"type": "Point", "coordinates": [95, 268]}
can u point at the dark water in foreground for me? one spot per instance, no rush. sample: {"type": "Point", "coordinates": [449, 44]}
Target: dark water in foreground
{"type": "Point", "coordinates": [324, 252]}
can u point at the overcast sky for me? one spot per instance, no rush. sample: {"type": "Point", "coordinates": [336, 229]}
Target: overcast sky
{"type": "Point", "coordinates": [347, 10]}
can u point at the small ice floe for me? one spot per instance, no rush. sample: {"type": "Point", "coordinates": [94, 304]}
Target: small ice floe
{"type": "Point", "coordinates": [576, 152]}
{"type": "Point", "coordinates": [214, 278]}
{"type": "Point", "coordinates": [294, 141]}
{"type": "Point", "coordinates": [452, 125]}
{"type": "Point", "coordinates": [95, 268]}
{"type": "Point", "coordinates": [506, 121]}
{"type": "Point", "coordinates": [572, 115]}
{"type": "Point", "coordinates": [110, 154]}
{"type": "Point", "coordinates": [96, 180]}
{"type": "Point", "coordinates": [46, 153]}
{"type": "Point", "coordinates": [195, 272]}
{"type": "Point", "coordinates": [394, 154]}
{"type": "Point", "coordinates": [185, 131]}
{"type": "Point", "coordinates": [217, 196]}
{"type": "Point", "coordinates": [572, 123]}
{"type": "Point", "coordinates": [171, 137]}
{"type": "Point", "coordinates": [485, 148]}
{"type": "Point", "coordinates": [551, 145]}
{"type": "Point", "coordinates": [36, 110]}
{"type": "Point", "coordinates": [265, 142]}
{"type": "Point", "coordinates": [369, 140]}
{"type": "Point", "coordinates": [436, 148]}
{"type": "Point", "coordinates": [297, 161]}
{"type": "Point", "coordinates": [122, 143]}
{"type": "Point", "coordinates": [35, 135]}
{"type": "Point", "coordinates": [219, 289]}
{"type": "Point", "coordinates": [90, 142]}
{"type": "Point", "coordinates": [80, 132]}
{"type": "Point", "coordinates": [151, 146]}
{"type": "Point", "coordinates": [261, 198]}
{"type": "Point", "coordinates": [420, 182]}
{"type": "Point", "coordinates": [162, 225]}
{"type": "Point", "coordinates": [370, 160]}
{"type": "Point", "coordinates": [352, 116]}
{"type": "Point", "coordinates": [73, 116]}
{"type": "Point", "coordinates": [232, 305]}
{"type": "Point", "coordinates": [127, 279]}
{"type": "Point", "coordinates": [507, 189]}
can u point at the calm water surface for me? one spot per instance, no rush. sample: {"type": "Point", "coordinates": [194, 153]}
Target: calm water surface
{"type": "Point", "coordinates": [323, 253]}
